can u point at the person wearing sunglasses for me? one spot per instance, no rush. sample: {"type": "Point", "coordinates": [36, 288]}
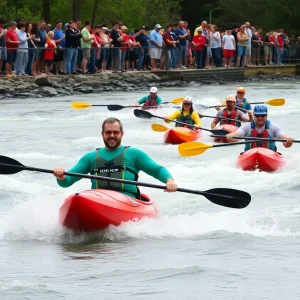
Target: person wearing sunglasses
{"type": "Point", "coordinates": [241, 101]}
{"type": "Point", "coordinates": [261, 127]}
{"type": "Point", "coordinates": [186, 115]}
{"type": "Point", "coordinates": [116, 161]}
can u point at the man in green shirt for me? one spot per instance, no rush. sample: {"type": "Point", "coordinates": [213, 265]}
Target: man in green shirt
{"type": "Point", "coordinates": [86, 44]}
{"type": "Point", "coordinates": [116, 161]}
{"type": "Point", "coordinates": [150, 100]}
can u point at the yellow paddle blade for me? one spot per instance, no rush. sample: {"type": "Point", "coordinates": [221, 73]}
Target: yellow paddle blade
{"type": "Point", "coordinates": [276, 102]}
{"type": "Point", "coordinates": [177, 100]}
{"type": "Point", "coordinates": [223, 102]}
{"type": "Point", "coordinates": [159, 128]}
{"type": "Point", "coordinates": [80, 105]}
{"type": "Point", "coordinates": [193, 148]}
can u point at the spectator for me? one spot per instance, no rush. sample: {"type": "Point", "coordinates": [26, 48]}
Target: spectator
{"type": "Point", "coordinates": [86, 45]}
{"type": "Point", "coordinates": [249, 32]}
{"type": "Point", "coordinates": [59, 38]}
{"type": "Point", "coordinates": [48, 27]}
{"type": "Point", "coordinates": [268, 48]}
{"type": "Point", "coordinates": [95, 50]}
{"type": "Point", "coordinates": [22, 54]}
{"type": "Point", "coordinates": [124, 46]}
{"type": "Point", "coordinates": [182, 34]}
{"type": "Point", "coordinates": [242, 47]}
{"type": "Point", "coordinates": [12, 43]}
{"type": "Point", "coordinates": [117, 38]}
{"type": "Point", "coordinates": [279, 46]}
{"type": "Point", "coordinates": [229, 46]}
{"type": "Point", "coordinates": [31, 50]}
{"type": "Point", "coordinates": [50, 46]}
{"type": "Point", "coordinates": [73, 37]}
{"type": "Point", "coordinates": [3, 55]}
{"type": "Point", "coordinates": [41, 40]}
{"type": "Point", "coordinates": [106, 42]}
{"type": "Point", "coordinates": [156, 44]}
{"type": "Point", "coordinates": [199, 41]}
{"type": "Point", "coordinates": [143, 39]}
{"type": "Point", "coordinates": [215, 45]}
{"type": "Point", "coordinates": [255, 43]}
{"type": "Point", "coordinates": [170, 44]}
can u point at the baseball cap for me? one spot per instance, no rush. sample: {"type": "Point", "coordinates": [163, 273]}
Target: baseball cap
{"type": "Point", "coordinates": [66, 24]}
{"type": "Point", "coordinates": [188, 100]}
{"type": "Point", "coordinates": [231, 98]}
{"type": "Point", "coordinates": [124, 28]}
{"type": "Point", "coordinates": [153, 89]}
{"type": "Point", "coordinates": [157, 26]}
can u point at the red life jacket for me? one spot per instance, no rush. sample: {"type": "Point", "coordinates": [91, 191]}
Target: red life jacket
{"type": "Point", "coordinates": [150, 102]}
{"type": "Point", "coordinates": [264, 134]}
{"type": "Point", "coordinates": [232, 115]}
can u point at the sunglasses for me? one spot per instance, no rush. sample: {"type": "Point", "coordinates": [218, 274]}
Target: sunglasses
{"type": "Point", "coordinates": [114, 132]}
{"type": "Point", "coordinates": [260, 116]}
{"type": "Point", "coordinates": [240, 92]}
{"type": "Point", "coordinates": [187, 103]}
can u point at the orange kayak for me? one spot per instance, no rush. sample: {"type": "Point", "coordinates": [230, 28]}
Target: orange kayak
{"type": "Point", "coordinates": [260, 159]}
{"type": "Point", "coordinates": [179, 135]}
{"type": "Point", "coordinates": [229, 128]}
{"type": "Point", "coordinates": [93, 210]}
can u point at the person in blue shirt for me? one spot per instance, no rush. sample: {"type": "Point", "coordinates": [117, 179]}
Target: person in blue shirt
{"type": "Point", "coordinates": [59, 38]}
{"type": "Point", "coordinates": [241, 101]}
{"type": "Point", "coordinates": [182, 49]}
{"type": "Point", "coordinates": [156, 45]}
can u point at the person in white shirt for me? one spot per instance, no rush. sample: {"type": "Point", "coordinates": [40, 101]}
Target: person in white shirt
{"type": "Point", "coordinates": [228, 45]}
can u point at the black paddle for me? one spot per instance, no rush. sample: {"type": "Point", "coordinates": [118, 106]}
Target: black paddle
{"type": "Point", "coordinates": [201, 106]}
{"type": "Point", "coordinates": [147, 115]}
{"type": "Point", "coordinates": [115, 107]}
{"type": "Point", "coordinates": [221, 196]}
{"type": "Point", "coordinates": [255, 138]}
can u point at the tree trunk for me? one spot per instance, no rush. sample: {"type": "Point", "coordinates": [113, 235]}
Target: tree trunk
{"type": "Point", "coordinates": [94, 11]}
{"type": "Point", "coordinates": [76, 10]}
{"type": "Point", "coordinates": [46, 10]}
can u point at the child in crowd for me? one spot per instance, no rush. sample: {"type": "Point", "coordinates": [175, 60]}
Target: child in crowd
{"type": "Point", "coordinates": [228, 45]}
{"type": "Point", "coordinates": [49, 52]}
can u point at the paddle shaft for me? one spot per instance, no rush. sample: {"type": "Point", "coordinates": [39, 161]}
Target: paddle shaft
{"type": "Point", "coordinates": [253, 138]}
{"type": "Point", "coordinates": [204, 193]}
{"type": "Point", "coordinates": [228, 119]}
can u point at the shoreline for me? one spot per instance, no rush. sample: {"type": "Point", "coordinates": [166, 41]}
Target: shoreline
{"type": "Point", "coordinates": [68, 85]}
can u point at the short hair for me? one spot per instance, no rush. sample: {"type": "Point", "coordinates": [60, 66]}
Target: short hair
{"type": "Point", "coordinates": [12, 23]}
{"type": "Point", "coordinates": [115, 23]}
{"type": "Point", "coordinates": [136, 30]}
{"type": "Point", "coordinates": [58, 21]}
{"type": "Point", "coordinates": [87, 23]}
{"type": "Point", "coordinates": [112, 120]}
{"type": "Point", "coordinates": [21, 25]}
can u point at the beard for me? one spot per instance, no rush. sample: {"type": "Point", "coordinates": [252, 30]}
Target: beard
{"type": "Point", "coordinates": [112, 142]}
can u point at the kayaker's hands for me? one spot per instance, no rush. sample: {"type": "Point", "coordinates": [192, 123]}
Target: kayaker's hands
{"type": "Point", "coordinates": [250, 115]}
{"type": "Point", "coordinates": [171, 186]}
{"type": "Point", "coordinates": [289, 142]}
{"type": "Point", "coordinates": [196, 128]}
{"type": "Point", "coordinates": [166, 119]}
{"type": "Point", "coordinates": [59, 173]}
{"type": "Point", "coordinates": [229, 137]}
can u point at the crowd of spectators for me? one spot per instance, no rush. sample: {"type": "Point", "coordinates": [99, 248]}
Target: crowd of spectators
{"type": "Point", "coordinates": [29, 48]}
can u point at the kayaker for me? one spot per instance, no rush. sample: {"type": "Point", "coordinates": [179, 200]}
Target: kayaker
{"type": "Point", "coordinates": [150, 100]}
{"type": "Point", "coordinates": [186, 115]}
{"type": "Point", "coordinates": [232, 113]}
{"type": "Point", "coordinates": [117, 161]}
{"type": "Point", "coordinates": [263, 128]}
{"type": "Point", "coordinates": [241, 101]}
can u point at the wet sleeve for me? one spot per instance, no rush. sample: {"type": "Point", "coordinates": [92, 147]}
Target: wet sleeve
{"type": "Point", "coordinates": [143, 100]}
{"type": "Point", "coordinates": [83, 166]}
{"type": "Point", "coordinates": [158, 100]}
{"type": "Point", "coordinates": [196, 119]}
{"type": "Point", "coordinates": [144, 163]}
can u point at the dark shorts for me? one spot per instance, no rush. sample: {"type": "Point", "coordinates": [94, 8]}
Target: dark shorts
{"type": "Point", "coordinates": [11, 57]}
{"type": "Point", "coordinates": [59, 55]}
{"type": "Point", "coordinates": [48, 62]}
{"type": "Point", "coordinates": [40, 54]}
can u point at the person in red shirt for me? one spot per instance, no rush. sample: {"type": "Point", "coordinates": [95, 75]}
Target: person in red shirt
{"type": "Point", "coordinates": [199, 41]}
{"type": "Point", "coordinates": [12, 43]}
{"type": "Point", "coordinates": [279, 47]}
{"type": "Point", "coordinates": [49, 52]}
{"type": "Point", "coordinates": [124, 46]}
{"type": "Point", "coordinates": [95, 50]}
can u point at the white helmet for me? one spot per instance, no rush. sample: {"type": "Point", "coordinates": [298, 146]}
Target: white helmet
{"type": "Point", "coordinates": [231, 98]}
{"type": "Point", "coordinates": [187, 100]}
{"type": "Point", "coordinates": [153, 89]}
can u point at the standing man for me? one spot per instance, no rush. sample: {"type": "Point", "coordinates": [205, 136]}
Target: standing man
{"type": "Point", "coordinates": [249, 31]}
{"type": "Point", "coordinates": [59, 38]}
{"type": "Point", "coordinates": [182, 34]}
{"type": "Point", "coordinates": [156, 45]}
{"type": "Point", "coordinates": [12, 43]}
{"type": "Point", "coordinates": [116, 161]}
{"type": "Point", "coordinates": [73, 37]}
{"type": "Point", "coordinates": [86, 45]}
{"type": "Point", "coordinates": [42, 38]}
{"type": "Point", "coordinates": [143, 39]}
{"type": "Point", "coordinates": [117, 38]}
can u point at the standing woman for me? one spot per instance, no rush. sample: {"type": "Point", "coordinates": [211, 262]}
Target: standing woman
{"type": "Point", "coordinates": [106, 42]}
{"type": "Point", "coordinates": [35, 40]}
{"type": "Point", "coordinates": [215, 45]}
{"type": "Point", "coordinates": [242, 47]}
{"type": "Point", "coordinates": [31, 50]}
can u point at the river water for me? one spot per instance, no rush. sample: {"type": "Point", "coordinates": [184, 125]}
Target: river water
{"type": "Point", "coordinates": [195, 250]}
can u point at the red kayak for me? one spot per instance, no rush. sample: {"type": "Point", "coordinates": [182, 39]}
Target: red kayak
{"type": "Point", "coordinates": [93, 210]}
{"type": "Point", "coordinates": [179, 135]}
{"type": "Point", "coordinates": [229, 128]}
{"type": "Point", "coordinates": [260, 159]}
